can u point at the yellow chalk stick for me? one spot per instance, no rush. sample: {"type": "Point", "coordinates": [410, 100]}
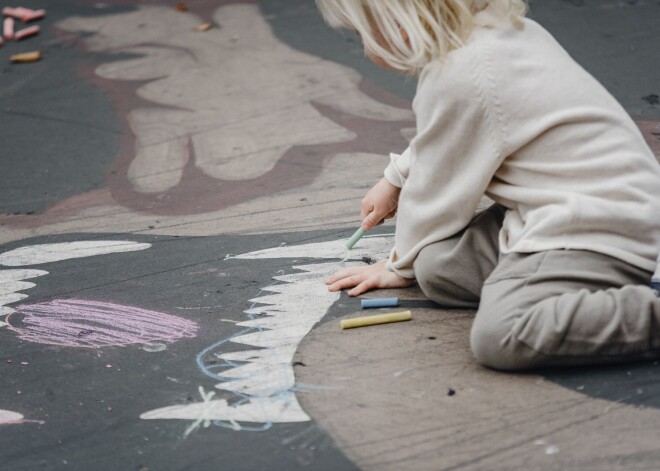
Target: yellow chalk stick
{"type": "Point", "coordinates": [26, 57]}
{"type": "Point", "coordinates": [374, 320]}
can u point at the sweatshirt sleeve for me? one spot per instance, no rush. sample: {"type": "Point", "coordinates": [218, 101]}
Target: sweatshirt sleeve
{"type": "Point", "coordinates": [397, 171]}
{"type": "Point", "coordinates": [454, 156]}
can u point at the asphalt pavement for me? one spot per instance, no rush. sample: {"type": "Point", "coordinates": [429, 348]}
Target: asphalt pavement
{"type": "Point", "coordinates": [177, 178]}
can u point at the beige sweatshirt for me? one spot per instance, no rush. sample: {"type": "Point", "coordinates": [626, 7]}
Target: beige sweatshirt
{"type": "Point", "coordinates": [512, 116]}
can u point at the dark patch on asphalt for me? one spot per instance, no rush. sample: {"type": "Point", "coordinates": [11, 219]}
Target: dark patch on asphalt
{"type": "Point", "coordinates": [59, 132]}
{"type": "Point", "coordinates": [300, 25]}
{"type": "Point", "coordinates": [637, 384]}
{"type": "Point", "coordinates": [652, 99]}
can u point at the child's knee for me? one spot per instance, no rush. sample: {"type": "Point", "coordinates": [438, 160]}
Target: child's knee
{"type": "Point", "coordinates": [486, 346]}
{"type": "Point", "coordinates": [436, 273]}
{"type": "Point", "coordinates": [494, 345]}
{"type": "Point", "coordinates": [429, 273]}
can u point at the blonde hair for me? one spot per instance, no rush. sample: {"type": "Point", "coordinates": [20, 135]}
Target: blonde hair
{"type": "Point", "coordinates": [433, 27]}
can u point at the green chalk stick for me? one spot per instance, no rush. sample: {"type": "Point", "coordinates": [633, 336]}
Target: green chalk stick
{"type": "Point", "coordinates": [354, 238]}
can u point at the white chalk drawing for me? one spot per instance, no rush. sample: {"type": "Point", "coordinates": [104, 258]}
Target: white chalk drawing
{"type": "Point", "coordinates": [12, 280]}
{"type": "Point", "coordinates": [77, 322]}
{"type": "Point", "coordinates": [11, 283]}
{"type": "Point", "coordinates": [8, 417]}
{"type": "Point", "coordinates": [263, 378]}
{"type": "Point", "coordinates": [48, 253]}
{"type": "Point", "coordinates": [209, 93]}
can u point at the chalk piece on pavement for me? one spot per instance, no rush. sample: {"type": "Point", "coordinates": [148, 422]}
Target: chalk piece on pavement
{"type": "Point", "coordinates": [379, 302]}
{"type": "Point", "coordinates": [375, 320]}
{"type": "Point", "coordinates": [12, 12]}
{"type": "Point", "coordinates": [20, 11]}
{"type": "Point", "coordinates": [203, 27]}
{"type": "Point", "coordinates": [354, 238]}
{"type": "Point", "coordinates": [26, 57]}
{"type": "Point", "coordinates": [24, 14]}
{"type": "Point", "coordinates": [33, 15]}
{"type": "Point", "coordinates": [26, 32]}
{"type": "Point", "coordinates": [8, 29]}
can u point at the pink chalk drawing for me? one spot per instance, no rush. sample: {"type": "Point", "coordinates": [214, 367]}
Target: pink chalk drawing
{"type": "Point", "coordinates": [93, 324]}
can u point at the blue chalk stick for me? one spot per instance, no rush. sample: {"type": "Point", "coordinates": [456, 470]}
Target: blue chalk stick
{"type": "Point", "coordinates": [380, 302]}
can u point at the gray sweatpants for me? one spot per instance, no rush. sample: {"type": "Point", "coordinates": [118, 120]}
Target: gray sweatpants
{"type": "Point", "coordinates": [552, 308]}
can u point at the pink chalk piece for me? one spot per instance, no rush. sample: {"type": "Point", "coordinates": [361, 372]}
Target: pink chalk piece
{"type": "Point", "coordinates": [2, 41]}
{"type": "Point", "coordinates": [93, 324]}
{"type": "Point", "coordinates": [22, 11]}
{"type": "Point", "coordinates": [33, 16]}
{"type": "Point", "coordinates": [26, 32]}
{"type": "Point", "coordinates": [11, 12]}
{"type": "Point", "coordinates": [24, 14]}
{"type": "Point", "coordinates": [8, 29]}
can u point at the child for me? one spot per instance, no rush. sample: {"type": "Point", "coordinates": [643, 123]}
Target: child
{"type": "Point", "coordinates": [560, 266]}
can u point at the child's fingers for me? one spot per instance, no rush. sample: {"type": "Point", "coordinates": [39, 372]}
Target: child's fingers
{"type": "Point", "coordinates": [366, 209]}
{"type": "Point", "coordinates": [343, 273]}
{"type": "Point", "coordinates": [360, 278]}
{"type": "Point", "coordinates": [362, 288]}
{"type": "Point", "coordinates": [391, 214]}
{"type": "Point", "coordinates": [345, 283]}
{"type": "Point", "coordinates": [370, 221]}
{"type": "Point", "coordinates": [330, 280]}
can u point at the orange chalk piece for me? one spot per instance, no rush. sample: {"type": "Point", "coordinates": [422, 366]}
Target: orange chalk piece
{"type": "Point", "coordinates": [27, 32]}
{"type": "Point", "coordinates": [8, 29]}
{"type": "Point", "coordinates": [182, 7]}
{"type": "Point", "coordinates": [26, 57]}
{"type": "Point", "coordinates": [204, 27]}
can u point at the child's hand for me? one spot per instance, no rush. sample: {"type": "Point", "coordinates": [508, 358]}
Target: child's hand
{"type": "Point", "coordinates": [363, 279]}
{"type": "Point", "coordinates": [379, 203]}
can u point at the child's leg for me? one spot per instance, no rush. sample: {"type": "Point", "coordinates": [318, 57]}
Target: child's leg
{"type": "Point", "coordinates": [451, 272]}
{"type": "Point", "coordinates": [565, 307]}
